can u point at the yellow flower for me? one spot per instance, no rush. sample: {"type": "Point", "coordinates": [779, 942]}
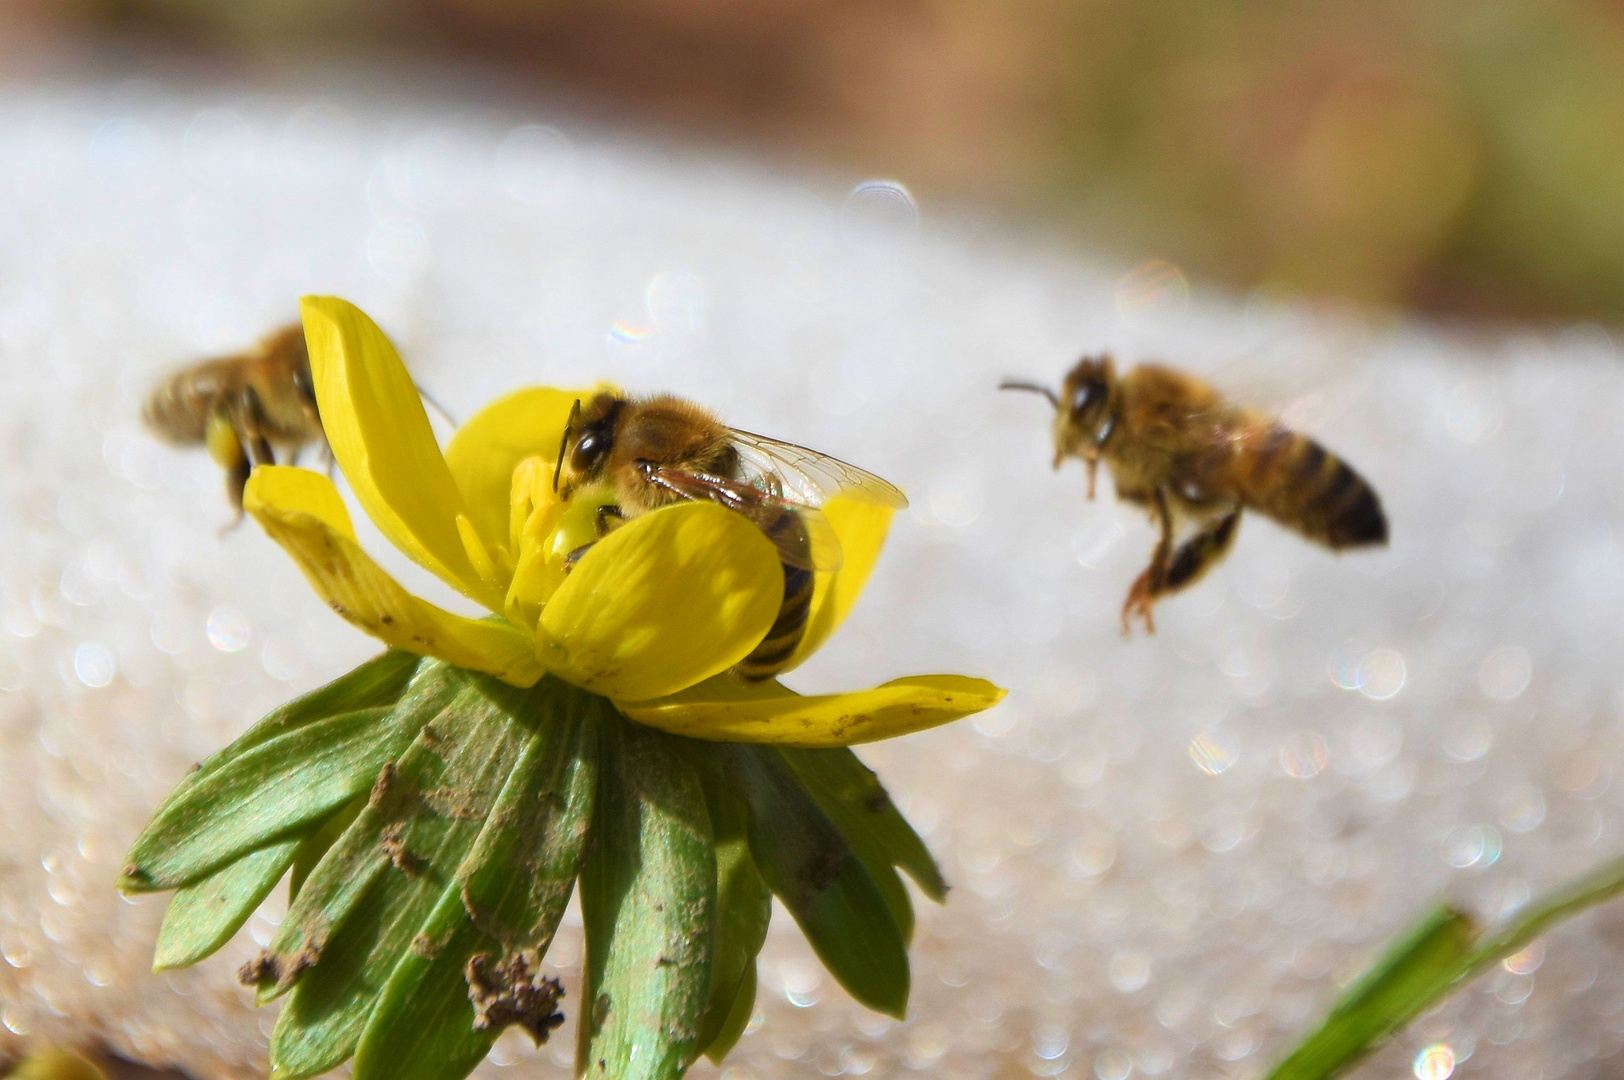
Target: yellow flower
{"type": "Point", "coordinates": [653, 616]}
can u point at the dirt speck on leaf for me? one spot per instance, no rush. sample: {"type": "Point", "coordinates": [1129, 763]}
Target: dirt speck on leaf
{"type": "Point", "coordinates": [393, 842]}
{"type": "Point", "coordinates": [383, 786]}
{"type": "Point", "coordinates": [512, 991]}
{"type": "Point", "coordinates": [823, 870]}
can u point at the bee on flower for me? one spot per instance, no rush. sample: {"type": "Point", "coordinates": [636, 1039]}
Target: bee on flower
{"type": "Point", "coordinates": [616, 720]}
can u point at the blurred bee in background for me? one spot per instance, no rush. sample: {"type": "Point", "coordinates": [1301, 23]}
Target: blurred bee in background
{"type": "Point", "coordinates": [241, 406]}
{"type": "Point", "coordinates": [245, 406]}
{"type": "Point", "coordinates": [652, 452]}
{"type": "Point", "coordinates": [1177, 448]}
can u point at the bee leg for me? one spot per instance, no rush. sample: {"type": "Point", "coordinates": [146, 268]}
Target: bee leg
{"type": "Point", "coordinates": [1201, 552]}
{"type": "Point", "coordinates": [236, 479]}
{"type": "Point", "coordinates": [575, 556]}
{"type": "Point", "coordinates": [251, 423]}
{"type": "Point", "coordinates": [609, 517]}
{"type": "Point", "coordinates": [1093, 465]}
{"type": "Point", "coordinates": [1152, 582]}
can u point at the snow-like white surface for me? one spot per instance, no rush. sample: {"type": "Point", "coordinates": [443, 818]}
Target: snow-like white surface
{"type": "Point", "coordinates": [1167, 851]}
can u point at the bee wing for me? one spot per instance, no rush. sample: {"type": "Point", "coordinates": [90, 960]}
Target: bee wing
{"type": "Point", "coordinates": [803, 536]}
{"type": "Point", "coordinates": [807, 478]}
{"type": "Point", "coordinates": [1305, 376]}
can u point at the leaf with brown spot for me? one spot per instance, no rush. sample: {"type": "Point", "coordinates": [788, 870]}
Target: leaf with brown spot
{"type": "Point", "coordinates": [372, 913]}
{"type": "Point", "coordinates": [811, 868]}
{"type": "Point", "coordinates": [648, 893]}
{"type": "Point", "coordinates": [517, 880]}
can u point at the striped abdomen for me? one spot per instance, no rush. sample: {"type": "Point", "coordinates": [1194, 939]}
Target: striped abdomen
{"type": "Point", "coordinates": [1295, 481]}
{"type": "Point", "coordinates": [768, 659]}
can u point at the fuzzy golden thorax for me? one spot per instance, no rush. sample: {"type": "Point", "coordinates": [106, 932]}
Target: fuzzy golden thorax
{"type": "Point", "coordinates": [619, 437]}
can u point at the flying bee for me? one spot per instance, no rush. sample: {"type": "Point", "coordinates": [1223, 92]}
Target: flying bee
{"type": "Point", "coordinates": [1177, 448]}
{"type": "Point", "coordinates": [244, 406]}
{"type": "Point", "coordinates": [241, 406]}
{"type": "Point", "coordinates": [656, 451]}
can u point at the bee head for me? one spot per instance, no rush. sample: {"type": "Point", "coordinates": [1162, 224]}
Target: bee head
{"type": "Point", "coordinates": [588, 437]}
{"type": "Point", "coordinates": [1084, 413]}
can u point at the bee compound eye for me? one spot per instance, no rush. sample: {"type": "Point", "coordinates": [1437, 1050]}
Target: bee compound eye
{"type": "Point", "coordinates": [587, 450]}
{"type": "Point", "coordinates": [1083, 396]}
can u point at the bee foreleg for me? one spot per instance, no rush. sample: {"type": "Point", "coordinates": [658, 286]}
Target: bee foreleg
{"type": "Point", "coordinates": [1093, 466]}
{"type": "Point", "coordinates": [1152, 581]}
{"type": "Point", "coordinates": [609, 517]}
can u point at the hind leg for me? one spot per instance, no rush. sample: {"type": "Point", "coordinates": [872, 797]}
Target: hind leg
{"type": "Point", "coordinates": [226, 448]}
{"type": "Point", "coordinates": [1201, 553]}
{"type": "Point", "coordinates": [1152, 580]}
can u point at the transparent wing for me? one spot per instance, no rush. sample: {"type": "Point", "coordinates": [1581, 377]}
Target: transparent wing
{"type": "Point", "coordinates": [803, 536]}
{"type": "Point", "coordinates": [1302, 370]}
{"type": "Point", "coordinates": [807, 478]}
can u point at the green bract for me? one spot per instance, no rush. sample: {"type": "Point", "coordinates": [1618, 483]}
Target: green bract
{"type": "Point", "coordinates": [435, 820]}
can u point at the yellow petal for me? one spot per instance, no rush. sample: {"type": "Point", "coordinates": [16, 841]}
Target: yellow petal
{"type": "Point", "coordinates": [861, 527]}
{"type": "Point", "coordinates": [726, 710]}
{"type": "Point", "coordinates": [302, 511]}
{"type": "Point", "coordinates": [665, 601]}
{"type": "Point", "coordinates": [485, 451]}
{"type": "Point", "coordinates": [549, 535]}
{"type": "Point", "coordinates": [381, 438]}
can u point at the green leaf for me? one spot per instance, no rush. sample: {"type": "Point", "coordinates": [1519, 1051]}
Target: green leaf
{"type": "Point", "coordinates": [370, 896]}
{"type": "Point", "coordinates": [381, 681]}
{"type": "Point", "coordinates": [648, 896]}
{"type": "Point", "coordinates": [841, 793]}
{"type": "Point", "coordinates": [203, 916]}
{"type": "Point", "coordinates": [262, 795]}
{"type": "Point", "coordinates": [289, 770]}
{"type": "Point", "coordinates": [836, 778]}
{"type": "Point", "coordinates": [1437, 956]}
{"type": "Point", "coordinates": [743, 909]}
{"type": "Point", "coordinates": [378, 683]}
{"type": "Point", "coordinates": [810, 867]}
{"type": "Point", "coordinates": [518, 877]}
{"type": "Point", "coordinates": [738, 1017]}
{"type": "Point", "coordinates": [316, 844]}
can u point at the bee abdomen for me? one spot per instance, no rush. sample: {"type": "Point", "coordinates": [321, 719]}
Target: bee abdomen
{"type": "Point", "coordinates": [177, 411]}
{"type": "Point", "coordinates": [768, 658]}
{"type": "Point", "coordinates": [1298, 483]}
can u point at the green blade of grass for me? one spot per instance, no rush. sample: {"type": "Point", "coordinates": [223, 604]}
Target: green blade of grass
{"type": "Point", "coordinates": [1439, 955]}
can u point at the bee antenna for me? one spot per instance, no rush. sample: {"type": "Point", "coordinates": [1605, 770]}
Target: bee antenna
{"type": "Point", "coordinates": [564, 443]}
{"type": "Point", "coordinates": [1010, 384]}
{"type": "Point", "coordinates": [436, 406]}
